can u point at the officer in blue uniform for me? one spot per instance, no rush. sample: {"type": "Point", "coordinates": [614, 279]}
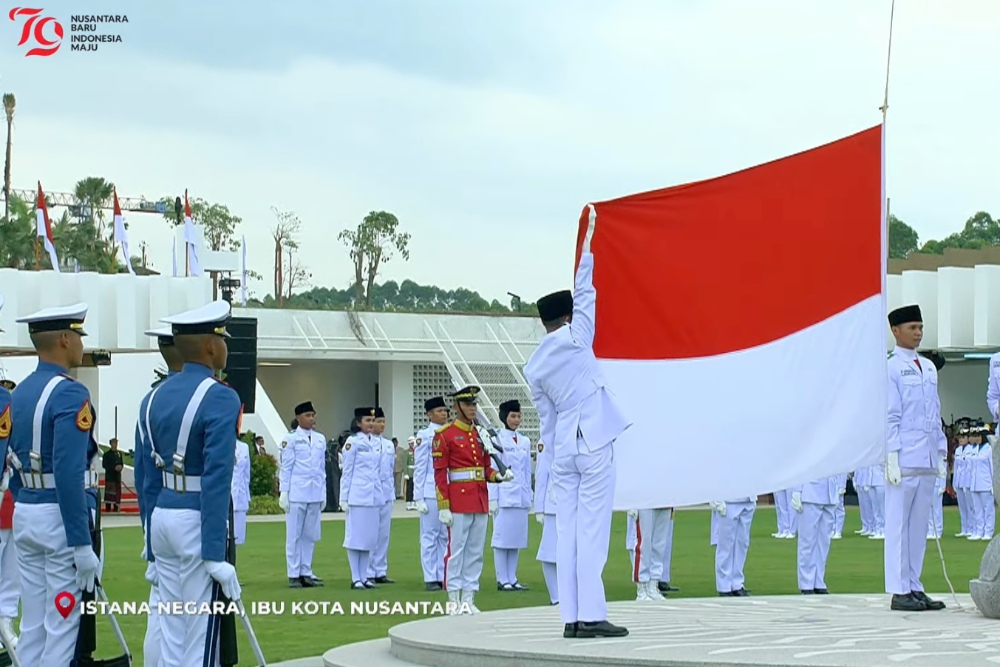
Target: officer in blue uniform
{"type": "Point", "coordinates": [193, 426]}
{"type": "Point", "coordinates": [148, 482]}
{"type": "Point", "coordinates": [54, 488]}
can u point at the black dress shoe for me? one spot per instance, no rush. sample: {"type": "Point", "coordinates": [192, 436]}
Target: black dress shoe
{"type": "Point", "coordinates": [569, 631]}
{"type": "Point", "coordinates": [384, 580]}
{"type": "Point", "coordinates": [806, 592]}
{"type": "Point", "coordinates": [907, 603]}
{"type": "Point", "coordinates": [505, 587]}
{"type": "Point", "coordinates": [370, 584]}
{"type": "Point", "coordinates": [933, 605]}
{"type": "Point", "coordinates": [432, 586]}
{"type": "Point", "coordinates": [667, 588]}
{"type": "Point", "coordinates": [599, 629]}
{"type": "Point", "coordinates": [821, 591]}
{"type": "Point", "coordinates": [519, 586]}
{"type": "Point", "coordinates": [742, 593]}
{"type": "Point", "coordinates": [294, 582]}
{"type": "Point", "coordinates": [729, 594]}
{"type": "Point", "coordinates": [358, 586]}
{"type": "Point", "coordinates": [316, 580]}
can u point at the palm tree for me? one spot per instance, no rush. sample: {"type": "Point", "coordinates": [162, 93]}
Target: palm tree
{"type": "Point", "coordinates": [94, 193]}
{"type": "Point", "coordinates": [17, 235]}
{"type": "Point", "coordinates": [8, 107]}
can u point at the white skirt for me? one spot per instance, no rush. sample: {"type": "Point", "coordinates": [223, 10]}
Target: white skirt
{"type": "Point", "coordinates": [361, 531]}
{"type": "Point", "coordinates": [547, 547]}
{"type": "Point", "coordinates": [510, 528]}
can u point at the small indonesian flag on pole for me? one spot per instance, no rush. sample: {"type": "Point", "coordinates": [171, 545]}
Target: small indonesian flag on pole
{"type": "Point", "coordinates": [44, 228]}
{"type": "Point", "coordinates": [121, 236]}
{"type": "Point", "coordinates": [190, 240]}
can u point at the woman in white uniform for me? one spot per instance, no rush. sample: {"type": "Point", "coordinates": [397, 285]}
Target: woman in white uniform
{"type": "Point", "coordinates": [361, 496]}
{"type": "Point", "coordinates": [545, 514]}
{"type": "Point", "coordinates": [510, 503]}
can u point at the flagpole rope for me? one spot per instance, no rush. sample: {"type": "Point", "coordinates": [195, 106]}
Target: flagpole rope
{"type": "Point", "coordinates": [888, 60]}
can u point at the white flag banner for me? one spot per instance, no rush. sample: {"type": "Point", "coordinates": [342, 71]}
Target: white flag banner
{"type": "Point", "coordinates": [44, 228]}
{"type": "Point", "coordinates": [174, 249]}
{"type": "Point", "coordinates": [190, 240]}
{"type": "Point", "coordinates": [121, 235]}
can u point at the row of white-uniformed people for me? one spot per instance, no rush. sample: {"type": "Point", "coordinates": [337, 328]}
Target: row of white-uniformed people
{"type": "Point", "coordinates": [972, 481]}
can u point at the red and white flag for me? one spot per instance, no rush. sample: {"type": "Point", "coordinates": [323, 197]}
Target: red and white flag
{"type": "Point", "coordinates": [121, 235]}
{"type": "Point", "coordinates": [44, 228]}
{"type": "Point", "coordinates": [190, 240]}
{"type": "Point", "coordinates": [741, 323]}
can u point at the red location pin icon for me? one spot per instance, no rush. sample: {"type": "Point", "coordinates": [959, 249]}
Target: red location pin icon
{"type": "Point", "coordinates": [65, 602]}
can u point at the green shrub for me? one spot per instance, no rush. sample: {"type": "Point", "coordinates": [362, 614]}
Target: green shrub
{"type": "Point", "coordinates": [263, 476]}
{"type": "Point", "coordinates": [264, 505]}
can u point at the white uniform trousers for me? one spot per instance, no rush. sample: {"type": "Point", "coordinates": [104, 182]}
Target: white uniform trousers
{"type": "Point", "coordinates": [510, 535]}
{"type": "Point", "coordinates": [935, 526]}
{"type": "Point", "coordinates": [186, 640]}
{"type": "Point", "coordinates": [713, 531]}
{"type": "Point", "coordinates": [378, 564]}
{"type": "Point", "coordinates": [877, 497]}
{"type": "Point", "coordinates": [662, 572]}
{"type": "Point", "coordinates": [782, 507]}
{"type": "Point", "coordinates": [10, 575]}
{"type": "Point", "coordinates": [962, 495]}
{"type": "Point", "coordinates": [865, 507]}
{"type": "Point", "coordinates": [360, 539]}
{"type": "Point", "coordinates": [984, 512]}
{"type": "Point", "coordinates": [47, 569]}
{"type": "Point", "coordinates": [433, 543]}
{"type": "Point", "coordinates": [547, 557]}
{"type": "Point", "coordinates": [151, 645]}
{"type": "Point", "coordinates": [793, 516]}
{"type": "Point", "coordinates": [907, 511]}
{"type": "Point", "coordinates": [302, 531]}
{"type": "Point", "coordinates": [647, 539]}
{"type": "Point", "coordinates": [838, 516]}
{"type": "Point", "coordinates": [240, 525]}
{"type": "Point", "coordinates": [733, 543]}
{"type": "Point", "coordinates": [466, 542]}
{"type": "Point", "coordinates": [816, 526]}
{"type": "Point", "coordinates": [585, 493]}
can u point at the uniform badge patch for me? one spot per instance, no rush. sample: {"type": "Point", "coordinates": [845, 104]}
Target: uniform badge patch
{"type": "Point", "coordinates": [85, 417]}
{"type": "Point", "coordinates": [419, 440]}
{"type": "Point", "coordinates": [347, 447]}
{"type": "Point", "coordinates": [540, 447]}
{"type": "Point", "coordinates": [5, 423]}
{"type": "Point", "coordinates": [437, 444]}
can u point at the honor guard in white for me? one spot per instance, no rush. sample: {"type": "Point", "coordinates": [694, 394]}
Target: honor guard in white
{"type": "Point", "coordinates": [433, 533]}
{"type": "Point", "coordinates": [860, 479]}
{"type": "Point", "coordinates": [378, 564]}
{"type": "Point", "coordinates": [580, 421]}
{"type": "Point", "coordinates": [302, 487]}
{"type": "Point", "coordinates": [361, 496]}
{"type": "Point", "coordinates": [241, 491]}
{"type": "Point", "coordinates": [545, 514]}
{"type": "Point", "coordinates": [148, 482]}
{"type": "Point", "coordinates": [816, 503]}
{"type": "Point", "coordinates": [732, 543]}
{"type": "Point", "coordinates": [646, 538]}
{"type": "Point", "coordinates": [786, 516]}
{"type": "Point", "coordinates": [916, 452]}
{"type": "Point", "coordinates": [935, 527]}
{"type": "Point", "coordinates": [194, 419]}
{"type": "Point", "coordinates": [53, 485]}
{"type": "Point", "coordinates": [981, 485]}
{"type": "Point", "coordinates": [960, 480]}
{"type": "Point", "coordinates": [876, 497]}
{"type": "Point", "coordinates": [839, 515]}
{"type": "Point", "coordinates": [511, 503]}
{"type": "Point", "coordinates": [461, 472]}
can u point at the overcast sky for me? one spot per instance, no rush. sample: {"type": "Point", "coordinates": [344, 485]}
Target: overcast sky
{"type": "Point", "coordinates": [487, 126]}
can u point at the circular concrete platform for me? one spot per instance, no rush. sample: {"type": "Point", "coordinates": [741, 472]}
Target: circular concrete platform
{"type": "Point", "coordinates": [785, 631]}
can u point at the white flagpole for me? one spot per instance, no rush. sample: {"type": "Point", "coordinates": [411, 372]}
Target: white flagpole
{"type": "Point", "coordinates": [243, 276]}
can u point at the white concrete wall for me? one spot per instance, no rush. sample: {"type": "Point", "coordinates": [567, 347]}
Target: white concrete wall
{"type": "Point", "coordinates": [962, 387]}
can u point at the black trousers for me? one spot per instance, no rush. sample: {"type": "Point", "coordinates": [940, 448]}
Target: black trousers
{"type": "Point", "coordinates": [409, 490]}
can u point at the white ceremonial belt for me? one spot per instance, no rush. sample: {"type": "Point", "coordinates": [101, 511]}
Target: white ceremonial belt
{"type": "Point", "coordinates": [466, 476]}
{"type": "Point", "coordinates": [47, 480]}
{"type": "Point", "coordinates": [181, 483]}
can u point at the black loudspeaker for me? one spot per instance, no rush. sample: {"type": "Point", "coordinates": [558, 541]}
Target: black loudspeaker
{"type": "Point", "coordinates": [241, 368]}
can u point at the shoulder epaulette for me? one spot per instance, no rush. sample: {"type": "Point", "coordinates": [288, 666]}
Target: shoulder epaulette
{"type": "Point", "coordinates": [443, 428]}
{"type": "Point", "coordinates": [68, 377]}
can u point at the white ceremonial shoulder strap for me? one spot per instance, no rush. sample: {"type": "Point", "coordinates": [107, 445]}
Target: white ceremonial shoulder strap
{"type": "Point", "coordinates": [36, 423]}
{"type": "Point", "coordinates": [187, 423]}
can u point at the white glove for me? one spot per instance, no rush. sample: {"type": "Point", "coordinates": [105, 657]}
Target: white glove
{"type": "Point", "coordinates": [507, 476]}
{"type": "Point", "coordinates": [347, 509]}
{"type": "Point", "coordinates": [283, 501]}
{"type": "Point", "coordinates": [941, 490]}
{"type": "Point", "coordinates": [843, 491]}
{"type": "Point", "coordinates": [5, 482]}
{"type": "Point", "coordinates": [632, 514]}
{"type": "Point", "coordinates": [893, 474]}
{"type": "Point", "coordinates": [87, 564]}
{"type": "Point", "coordinates": [405, 476]}
{"type": "Point", "coordinates": [151, 576]}
{"type": "Point", "coordinates": [444, 516]}
{"type": "Point", "coordinates": [942, 468]}
{"type": "Point", "coordinates": [866, 489]}
{"type": "Point", "coordinates": [494, 506]}
{"type": "Point", "coordinates": [225, 574]}
{"type": "Point", "coordinates": [797, 501]}
{"type": "Point", "coordinates": [719, 507]}
{"type": "Point", "coordinates": [422, 507]}
{"type": "Point", "coordinates": [488, 446]}
{"type": "Point", "coordinates": [540, 517]}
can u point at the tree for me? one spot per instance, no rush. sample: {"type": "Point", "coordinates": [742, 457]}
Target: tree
{"type": "Point", "coordinates": [980, 231]}
{"type": "Point", "coordinates": [903, 239]}
{"type": "Point", "coordinates": [285, 235]}
{"type": "Point", "coordinates": [371, 244]}
{"type": "Point", "coordinates": [8, 106]}
{"type": "Point", "coordinates": [218, 225]}
{"type": "Point", "coordinates": [96, 250]}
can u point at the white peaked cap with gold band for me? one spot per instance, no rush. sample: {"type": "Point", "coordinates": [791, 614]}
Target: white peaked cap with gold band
{"type": "Point", "coordinates": [58, 318]}
{"type": "Point", "coordinates": [209, 319]}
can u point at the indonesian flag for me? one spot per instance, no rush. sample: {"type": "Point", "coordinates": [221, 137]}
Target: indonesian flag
{"type": "Point", "coordinates": [190, 239]}
{"type": "Point", "coordinates": [44, 228]}
{"type": "Point", "coordinates": [120, 235]}
{"type": "Point", "coordinates": [741, 323]}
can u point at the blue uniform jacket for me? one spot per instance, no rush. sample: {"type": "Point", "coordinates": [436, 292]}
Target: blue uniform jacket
{"type": "Point", "coordinates": [148, 478]}
{"type": "Point", "coordinates": [69, 420]}
{"type": "Point", "coordinates": [211, 450]}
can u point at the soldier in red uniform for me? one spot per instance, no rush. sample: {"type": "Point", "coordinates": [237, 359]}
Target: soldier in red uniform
{"type": "Point", "coordinates": [461, 470]}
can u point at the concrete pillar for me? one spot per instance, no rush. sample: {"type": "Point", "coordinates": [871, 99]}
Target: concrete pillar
{"type": "Point", "coordinates": [395, 383]}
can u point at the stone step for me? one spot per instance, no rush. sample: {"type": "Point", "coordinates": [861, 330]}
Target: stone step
{"type": "Point", "coordinates": [375, 653]}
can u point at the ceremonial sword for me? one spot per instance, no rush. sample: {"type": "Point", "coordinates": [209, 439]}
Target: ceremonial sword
{"type": "Point", "coordinates": [254, 644]}
{"type": "Point", "coordinates": [8, 645]}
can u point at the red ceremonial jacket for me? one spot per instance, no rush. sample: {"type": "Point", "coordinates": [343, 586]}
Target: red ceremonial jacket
{"type": "Point", "coordinates": [7, 512]}
{"type": "Point", "coordinates": [461, 469]}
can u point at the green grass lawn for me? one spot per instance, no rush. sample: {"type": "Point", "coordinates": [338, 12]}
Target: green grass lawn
{"type": "Point", "coordinates": [855, 566]}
